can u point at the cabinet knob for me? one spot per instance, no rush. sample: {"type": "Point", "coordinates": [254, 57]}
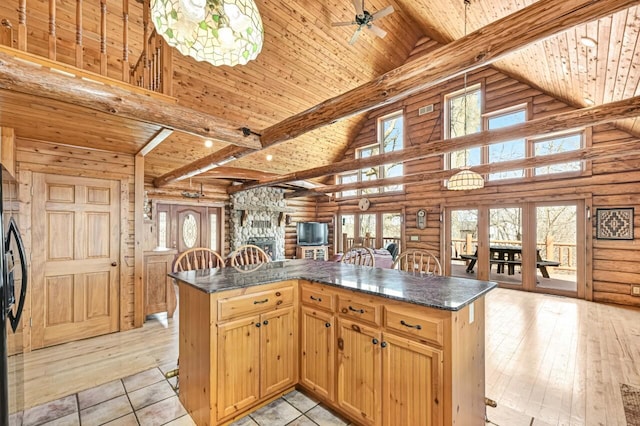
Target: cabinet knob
{"type": "Point", "coordinates": [258, 324]}
{"type": "Point", "coordinates": [114, 263]}
{"type": "Point", "coordinates": [265, 322]}
{"type": "Point", "coordinates": [383, 344]}
{"type": "Point", "coordinates": [328, 324]}
{"type": "Point", "coordinates": [374, 341]}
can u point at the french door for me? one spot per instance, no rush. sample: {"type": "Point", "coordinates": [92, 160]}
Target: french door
{"type": "Point", "coordinates": [535, 246]}
{"type": "Point", "coordinates": [183, 227]}
{"type": "Point", "coordinates": [375, 230]}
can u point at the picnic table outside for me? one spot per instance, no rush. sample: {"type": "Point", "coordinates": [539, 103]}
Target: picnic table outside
{"type": "Point", "coordinates": [508, 256]}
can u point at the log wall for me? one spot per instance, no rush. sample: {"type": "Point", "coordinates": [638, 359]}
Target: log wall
{"type": "Point", "coordinates": [611, 183]}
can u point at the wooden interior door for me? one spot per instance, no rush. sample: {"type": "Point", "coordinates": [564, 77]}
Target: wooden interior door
{"type": "Point", "coordinates": [76, 239]}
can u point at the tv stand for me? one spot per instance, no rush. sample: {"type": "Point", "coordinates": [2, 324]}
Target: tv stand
{"type": "Point", "coordinates": [313, 252]}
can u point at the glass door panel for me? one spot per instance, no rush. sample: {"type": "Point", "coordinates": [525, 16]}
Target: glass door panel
{"type": "Point", "coordinates": [464, 243]}
{"type": "Point", "coordinates": [368, 230]}
{"type": "Point", "coordinates": [392, 232]}
{"type": "Point", "coordinates": [556, 243]}
{"type": "Point", "coordinates": [347, 232]}
{"type": "Point", "coordinates": [505, 245]}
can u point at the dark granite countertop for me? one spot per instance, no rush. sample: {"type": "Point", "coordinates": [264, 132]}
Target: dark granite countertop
{"type": "Point", "coordinates": [448, 293]}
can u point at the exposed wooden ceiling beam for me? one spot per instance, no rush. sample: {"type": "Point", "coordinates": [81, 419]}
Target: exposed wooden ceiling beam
{"type": "Point", "coordinates": [156, 140]}
{"type": "Point", "coordinates": [482, 47]}
{"type": "Point", "coordinates": [560, 122]}
{"type": "Point", "coordinates": [606, 151]}
{"type": "Point", "coordinates": [24, 76]}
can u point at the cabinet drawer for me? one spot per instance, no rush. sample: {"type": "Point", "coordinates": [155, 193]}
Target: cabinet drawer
{"type": "Point", "coordinates": [248, 304]}
{"type": "Point", "coordinates": [362, 309]}
{"type": "Point", "coordinates": [421, 327]}
{"type": "Point", "coordinates": [318, 297]}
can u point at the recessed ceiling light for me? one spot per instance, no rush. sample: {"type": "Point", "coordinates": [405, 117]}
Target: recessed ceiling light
{"type": "Point", "coordinates": [588, 101]}
{"type": "Point", "coordinates": [269, 157]}
{"type": "Point", "coordinates": [588, 41]}
{"type": "Point", "coordinates": [208, 143]}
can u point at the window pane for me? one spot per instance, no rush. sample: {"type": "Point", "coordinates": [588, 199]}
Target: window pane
{"type": "Point", "coordinates": [213, 233]}
{"type": "Point", "coordinates": [391, 229]}
{"type": "Point", "coordinates": [393, 170]}
{"type": "Point", "coordinates": [348, 230]}
{"type": "Point", "coordinates": [162, 229]}
{"type": "Point", "coordinates": [557, 145]}
{"type": "Point", "coordinates": [464, 119]}
{"type": "Point", "coordinates": [368, 229]}
{"type": "Point", "coordinates": [392, 134]}
{"type": "Point", "coordinates": [370, 173]}
{"type": "Point", "coordinates": [510, 150]}
{"type": "Point", "coordinates": [348, 179]}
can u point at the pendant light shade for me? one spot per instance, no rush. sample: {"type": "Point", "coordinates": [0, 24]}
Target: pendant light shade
{"type": "Point", "coordinates": [221, 32]}
{"type": "Point", "coordinates": [464, 180]}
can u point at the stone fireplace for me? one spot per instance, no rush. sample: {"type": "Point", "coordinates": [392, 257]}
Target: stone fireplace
{"type": "Point", "coordinates": [257, 218]}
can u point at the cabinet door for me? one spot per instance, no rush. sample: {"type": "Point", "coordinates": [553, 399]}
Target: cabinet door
{"type": "Point", "coordinates": [317, 369]}
{"type": "Point", "coordinates": [359, 371]}
{"type": "Point", "coordinates": [277, 351]}
{"type": "Point", "coordinates": [412, 381]}
{"type": "Point", "coordinates": [238, 364]}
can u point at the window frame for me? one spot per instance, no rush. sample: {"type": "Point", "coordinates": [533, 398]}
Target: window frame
{"type": "Point", "coordinates": [381, 170]}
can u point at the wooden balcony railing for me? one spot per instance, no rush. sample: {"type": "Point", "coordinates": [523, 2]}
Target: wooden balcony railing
{"type": "Point", "coordinates": [367, 241]}
{"type": "Point", "coordinates": [99, 39]}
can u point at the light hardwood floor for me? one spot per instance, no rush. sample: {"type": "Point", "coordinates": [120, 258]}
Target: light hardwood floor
{"type": "Point", "coordinates": [556, 359]}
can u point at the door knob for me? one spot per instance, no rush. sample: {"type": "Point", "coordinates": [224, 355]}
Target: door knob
{"type": "Point", "coordinates": [114, 264]}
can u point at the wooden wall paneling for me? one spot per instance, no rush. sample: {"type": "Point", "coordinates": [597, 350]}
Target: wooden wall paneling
{"type": "Point", "coordinates": [79, 49]}
{"type": "Point", "coordinates": [52, 30]}
{"type": "Point", "coordinates": [127, 261]}
{"type": "Point", "coordinates": [138, 212]}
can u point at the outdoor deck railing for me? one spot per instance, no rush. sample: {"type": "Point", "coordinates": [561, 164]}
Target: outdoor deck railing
{"type": "Point", "coordinates": [564, 253]}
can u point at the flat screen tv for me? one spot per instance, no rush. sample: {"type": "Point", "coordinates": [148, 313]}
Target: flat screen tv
{"type": "Point", "coordinates": [313, 233]}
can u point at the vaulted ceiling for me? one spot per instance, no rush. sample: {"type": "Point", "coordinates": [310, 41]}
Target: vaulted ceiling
{"type": "Point", "coordinates": [306, 61]}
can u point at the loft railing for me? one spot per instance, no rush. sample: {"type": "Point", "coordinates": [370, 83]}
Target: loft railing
{"type": "Point", "coordinates": [91, 35]}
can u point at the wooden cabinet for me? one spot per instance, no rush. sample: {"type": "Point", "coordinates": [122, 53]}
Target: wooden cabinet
{"type": "Point", "coordinates": [382, 362]}
{"type": "Point", "coordinates": [359, 371]}
{"type": "Point", "coordinates": [256, 351]}
{"type": "Point", "coordinates": [255, 359]}
{"type": "Point", "coordinates": [317, 351]}
{"type": "Point", "coordinates": [313, 252]}
{"type": "Point", "coordinates": [159, 294]}
{"type": "Point", "coordinates": [412, 382]}
{"type": "Point", "coordinates": [317, 339]}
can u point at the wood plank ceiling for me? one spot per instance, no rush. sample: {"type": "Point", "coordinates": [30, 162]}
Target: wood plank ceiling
{"type": "Point", "coordinates": [305, 61]}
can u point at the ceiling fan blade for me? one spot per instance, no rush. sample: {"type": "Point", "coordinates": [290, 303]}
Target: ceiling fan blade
{"type": "Point", "coordinates": [342, 24]}
{"type": "Point", "coordinates": [359, 8]}
{"type": "Point", "coordinates": [377, 30]}
{"type": "Point", "coordinates": [355, 36]}
{"type": "Point", "coordinates": [382, 13]}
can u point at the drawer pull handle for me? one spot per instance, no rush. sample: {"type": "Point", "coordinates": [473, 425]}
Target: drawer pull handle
{"type": "Point", "coordinates": [328, 324]}
{"type": "Point", "coordinates": [360, 311]}
{"type": "Point", "coordinates": [317, 299]}
{"type": "Point", "coordinates": [256, 302]}
{"type": "Point", "coordinates": [406, 324]}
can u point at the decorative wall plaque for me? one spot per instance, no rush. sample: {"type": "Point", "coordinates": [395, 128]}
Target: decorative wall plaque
{"type": "Point", "coordinates": [614, 224]}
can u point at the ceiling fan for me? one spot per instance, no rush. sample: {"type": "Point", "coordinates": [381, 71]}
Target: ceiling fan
{"type": "Point", "coordinates": [364, 19]}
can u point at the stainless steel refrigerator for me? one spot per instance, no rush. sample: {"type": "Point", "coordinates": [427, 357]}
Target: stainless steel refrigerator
{"type": "Point", "coordinates": [13, 289]}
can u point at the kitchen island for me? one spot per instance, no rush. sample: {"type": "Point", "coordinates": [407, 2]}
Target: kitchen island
{"type": "Point", "coordinates": [381, 347]}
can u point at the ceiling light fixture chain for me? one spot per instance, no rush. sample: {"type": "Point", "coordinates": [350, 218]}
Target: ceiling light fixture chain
{"type": "Point", "coordinates": [465, 179]}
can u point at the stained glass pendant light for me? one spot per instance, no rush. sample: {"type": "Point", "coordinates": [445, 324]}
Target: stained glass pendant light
{"type": "Point", "coordinates": [465, 179]}
{"type": "Point", "coordinates": [221, 32]}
